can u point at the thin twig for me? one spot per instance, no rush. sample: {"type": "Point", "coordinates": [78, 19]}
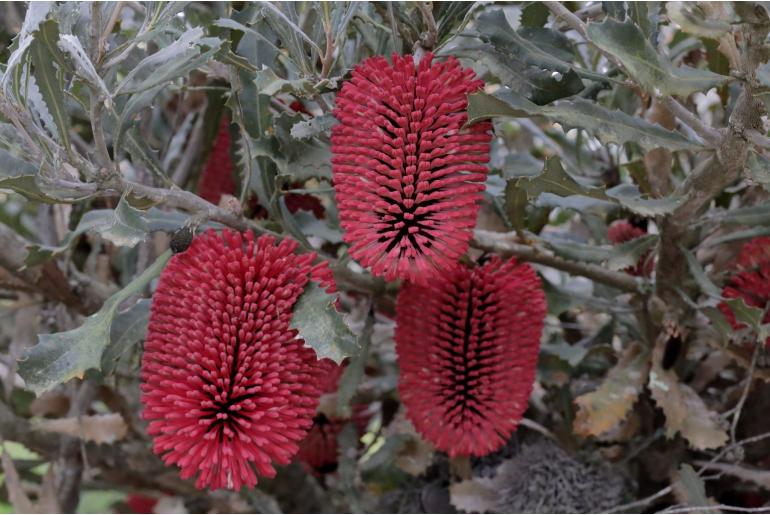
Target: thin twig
{"type": "Point", "coordinates": [705, 509]}
{"type": "Point", "coordinates": [710, 135]}
{"type": "Point", "coordinates": [505, 244]}
{"type": "Point", "coordinates": [642, 502]}
{"type": "Point", "coordinates": [328, 57]}
{"type": "Point", "coordinates": [108, 30]}
{"type": "Point", "coordinates": [293, 26]}
{"type": "Point", "coordinates": [560, 11]}
{"type": "Point", "coordinates": [745, 394]}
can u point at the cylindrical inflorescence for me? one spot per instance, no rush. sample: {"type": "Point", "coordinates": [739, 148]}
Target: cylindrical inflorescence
{"type": "Point", "coordinates": [408, 175]}
{"type": "Point", "coordinates": [217, 176]}
{"type": "Point", "coordinates": [467, 349]}
{"type": "Point", "coordinates": [227, 387]}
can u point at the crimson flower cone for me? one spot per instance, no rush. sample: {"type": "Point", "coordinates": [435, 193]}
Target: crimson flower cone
{"type": "Point", "coordinates": [227, 387]}
{"type": "Point", "coordinates": [408, 176]}
{"type": "Point", "coordinates": [751, 281]}
{"type": "Point", "coordinates": [217, 177]}
{"type": "Point", "coordinates": [467, 349]}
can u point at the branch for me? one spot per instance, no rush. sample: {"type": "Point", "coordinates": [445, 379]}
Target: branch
{"type": "Point", "coordinates": [561, 12]}
{"type": "Point", "coordinates": [710, 135]}
{"type": "Point", "coordinates": [80, 292]}
{"type": "Point", "coordinates": [505, 244]}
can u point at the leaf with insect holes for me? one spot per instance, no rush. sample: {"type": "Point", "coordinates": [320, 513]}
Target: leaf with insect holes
{"type": "Point", "coordinates": [318, 322]}
{"type": "Point", "coordinates": [59, 357]}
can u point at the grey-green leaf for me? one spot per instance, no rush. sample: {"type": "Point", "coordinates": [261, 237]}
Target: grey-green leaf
{"type": "Point", "coordinates": [321, 326]}
{"type": "Point", "coordinates": [608, 126]}
{"type": "Point", "coordinates": [45, 56]}
{"type": "Point", "coordinates": [651, 70]}
{"type": "Point", "coordinates": [128, 329]}
{"type": "Point", "coordinates": [59, 357]}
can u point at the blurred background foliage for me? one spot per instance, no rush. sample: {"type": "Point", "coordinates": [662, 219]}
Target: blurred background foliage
{"type": "Point", "coordinates": [652, 113]}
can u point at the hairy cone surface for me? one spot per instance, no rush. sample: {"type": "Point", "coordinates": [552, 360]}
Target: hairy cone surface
{"type": "Point", "coordinates": [408, 177]}
{"type": "Point", "coordinates": [467, 348]}
{"type": "Point", "coordinates": [751, 282]}
{"type": "Point", "coordinates": [226, 386]}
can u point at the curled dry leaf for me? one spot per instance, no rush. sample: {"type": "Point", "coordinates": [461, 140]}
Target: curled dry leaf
{"type": "Point", "coordinates": [414, 454]}
{"type": "Point", "coordinates": [477, 495]}
{"type": "Point", "coordinates": [93, 428]}
{"type": "Point", "coordinates": [604, 409]}
{"type": "Point", "coordinates": [685, 411]}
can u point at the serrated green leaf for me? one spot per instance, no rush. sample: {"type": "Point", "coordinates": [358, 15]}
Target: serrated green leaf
{"type": "Point", "coordinates": [746, 234]}
{"type": "Point", "coordinates": [608, 126]}
{"type": "Point", "coordinates": [631, 198]}
{"type": "Point", "coordinates": [629, 253]}
{"type": "Point", "coordinates": [28, 187]}
{"type": "Point", "coordinates": [515, 205]}
{"type": "Point", "coordinates": [321, 326]}
{"type": "Point", "coordinates": [531, 46]}
{"type": "Point", "coordinates": [753, 215]}
{"type": "Point", "coordinates": [101, 220]}
{"type": "Point", "coordinates": [697, 272]}
{"type": "Point", "coordinates": [313, 127]}
{"type": "Point", "coordinates": [85, 68]}
{"type": "Point", "coordinates": [354, 372]}
{"type": "Point", "coordinates": [45, 53]}
{"type": "Point", "coordinates": [128, 328]}
{"type": "Point", "coordinates": [169, 63]}
{"type": "Point", "coordinates": [553, 179]}
{"type": "Point", "coordinates": [653, 72]}
{"type": "Point", "coordinates": [59, 357]}
{"type": "Point", "coordinates": [268, 83]}
{"type": "Point", "coordinates": [692, 19]}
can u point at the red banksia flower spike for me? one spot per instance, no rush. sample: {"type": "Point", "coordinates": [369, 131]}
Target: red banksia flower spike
{"type": "Point", "coordinates": [751, 280]}
{"type": "Point", "coordinates": [228, 389]}
{"type": "Point", "coordinates": [408, 176]}
{"type": "Point", "coordinates": [217, 177]}
{"type": "Point", "coordinates": [467, 348]}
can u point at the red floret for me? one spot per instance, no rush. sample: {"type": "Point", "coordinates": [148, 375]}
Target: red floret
{"type": "Point", "coordinates": [621, 231]}
{"type": "Point", "coordinates": [217, 177]}
{"type": "Point", "coordinates": [227, 387]}
{"type": "Point", "coordinates": [408, 177]}
{"type": "Point", "coordinates": [467, 348]}
{"type": "Point", "coordinates": [751, 281]}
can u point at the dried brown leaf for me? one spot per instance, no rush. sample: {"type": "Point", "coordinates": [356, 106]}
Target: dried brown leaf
{"type": "Point", "coordinates": [685, 411]}
{"type": "Point", "coordinates": [94, 428]}
{"type": "Point", "coordinates": [604, 409]}
{"type": "Point", "coordinates": [477, 495]}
